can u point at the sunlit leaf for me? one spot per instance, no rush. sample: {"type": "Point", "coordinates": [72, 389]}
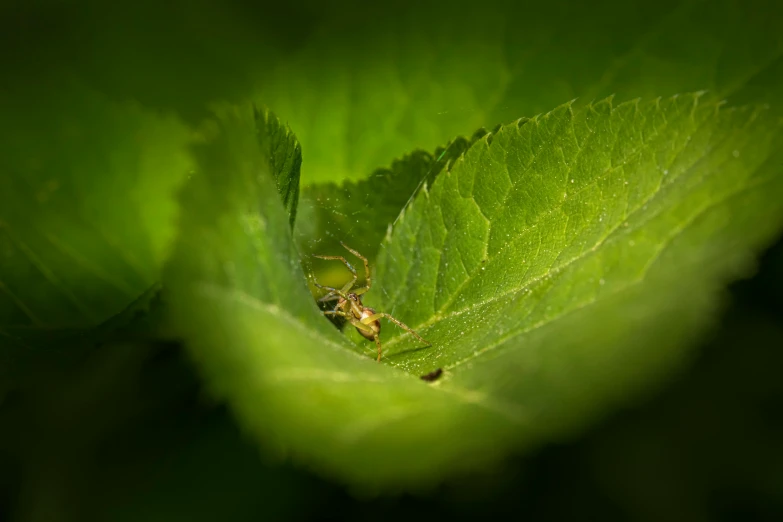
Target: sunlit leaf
{"type": "Point", "coordinates": [333, 213]}
{"type": "Point", "coordinates": [557, 267]}
{"type": "Point", "coordinates": [414, 76]}
{"type": "Point", "coordinates": [279, 144]}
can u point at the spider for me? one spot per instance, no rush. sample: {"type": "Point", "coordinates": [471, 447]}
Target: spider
{"type": "Point", "coordinates": [349, 303]}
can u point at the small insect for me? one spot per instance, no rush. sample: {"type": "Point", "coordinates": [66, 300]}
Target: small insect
{"type": "Point", "coordinates": [349, 303]}
{"type": "Point", "coordinates": [434, 375]}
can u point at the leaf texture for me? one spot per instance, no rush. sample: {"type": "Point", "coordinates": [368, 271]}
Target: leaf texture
{"type": "Point", "coordinates": [561, 265]}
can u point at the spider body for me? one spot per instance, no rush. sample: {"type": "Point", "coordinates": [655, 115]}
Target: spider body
{"type": "Point", "coordinates": [349, 304]}
{"type": "Point", "coordinates": [353, 306]}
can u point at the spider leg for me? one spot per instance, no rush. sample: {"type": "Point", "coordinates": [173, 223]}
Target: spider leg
{"type": "Point", "coordinates": [331, 296]}
{"type": "Point", "coordinates": [378, 344]}
{"type": "Point", "coordinates": [374, 317]}
{"type": "Point", "coordinates": [335, 312]}
{"type": "Point", "coordinates": [347, 264]}
{"type": "Point", "coordinates": [332, 291]}
{"type": "Point", "coordinates": [359, 325]}
{"type": "Point", "coordinates": [322, 287]}
{"type": "Point", "coordinates": [366, 264]}
{"type": "Point", "coordinates": [364, 328]}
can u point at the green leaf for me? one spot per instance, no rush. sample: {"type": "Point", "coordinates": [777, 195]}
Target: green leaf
{"type": "Point", "coordinates": [332, 213]}
{"type": "Point", "coordinates": [560, 265]}
{"type": "Point", "coordinates": [239, 298]}
{"type": "Point", "coordinates": [413, 77]}
{"type": "Point", "coordinates": [87, 207]}
{"type": "Point", "coordinates": [565, 261]}
{"type": "Point", "coordinates": [279, 144]}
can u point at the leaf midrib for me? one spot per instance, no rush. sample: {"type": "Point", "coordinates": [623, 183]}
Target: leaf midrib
{"type": "Point", "coordinates": [621, 288]}
{"type": "Point", "coordinates": [438, 316]}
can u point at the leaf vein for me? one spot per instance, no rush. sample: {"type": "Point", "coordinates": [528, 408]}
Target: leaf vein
{"type": "Point", "coordinates": [438, 317]}
{"type": "Point", "coordinates": [665, 244]}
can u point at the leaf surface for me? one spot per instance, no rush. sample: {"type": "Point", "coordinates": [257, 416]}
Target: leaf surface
{"type": "Point", "coordinates": [416, 76]}
{"type": "Point", "coordinates": [279, 144]}
{"type": "Point", "coordinates": [562, 264]}
{"type": "Point", "coordinates": [361, 212]}
{"type": "Point", "coordinates": [87, 207]}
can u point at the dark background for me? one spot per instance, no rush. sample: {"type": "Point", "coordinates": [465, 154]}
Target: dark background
{"type": "Point", "coordinates": [125, 434]}
{"type": "Point", "coordinates": [119, 429]}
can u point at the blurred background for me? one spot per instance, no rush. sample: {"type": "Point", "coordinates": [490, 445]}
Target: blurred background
{"type": "Point", "coordinates": [127, 436]}
{"type": "Point", "coordinates": [116, 426]}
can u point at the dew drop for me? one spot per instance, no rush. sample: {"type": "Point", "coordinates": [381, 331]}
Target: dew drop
{"type": "Point", "coordinates": [735, 153]}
